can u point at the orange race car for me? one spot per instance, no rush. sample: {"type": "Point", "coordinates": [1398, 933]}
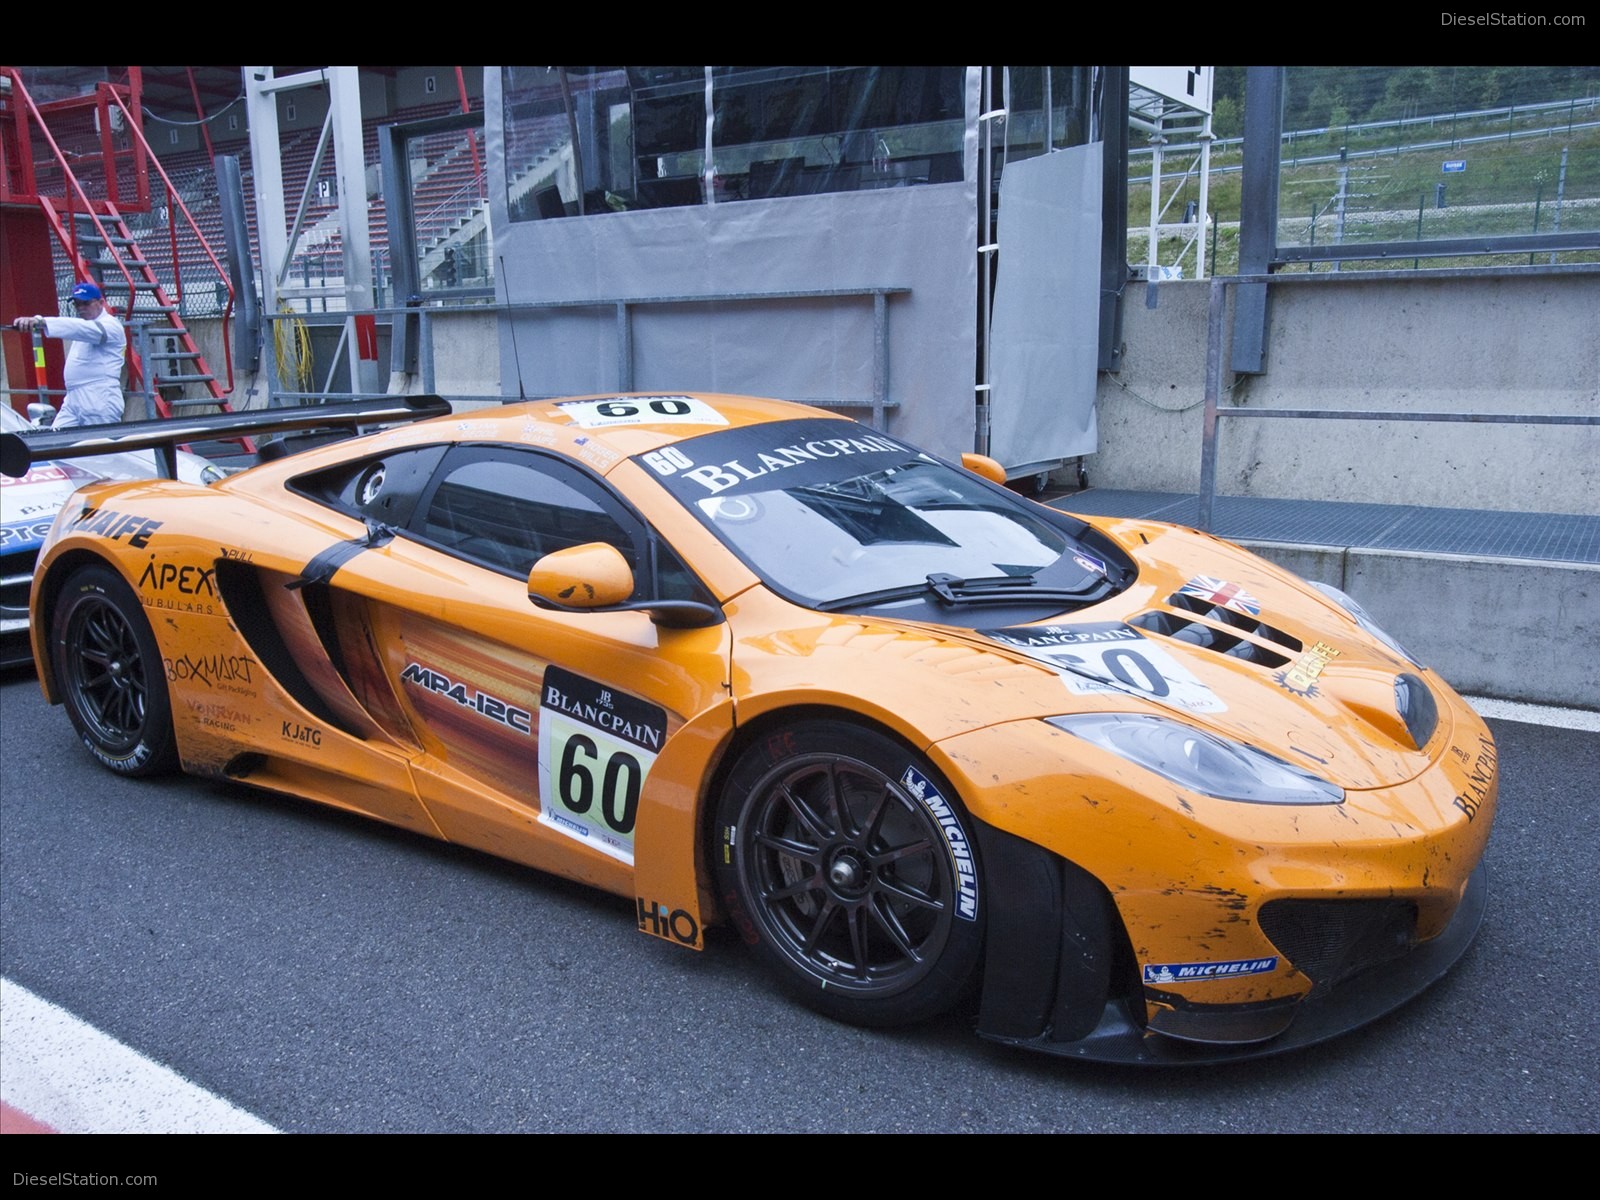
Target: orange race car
{"type": "Point", "coordinates": [1129, 791]}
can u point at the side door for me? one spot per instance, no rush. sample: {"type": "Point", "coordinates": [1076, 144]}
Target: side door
{"type": "Point", "coordinates": [542, 736]}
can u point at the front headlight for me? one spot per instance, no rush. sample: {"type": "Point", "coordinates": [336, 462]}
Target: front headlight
{"type": "Point", "coordinates": [1200, 761]}
{"type": "Point", "coordinates": [1363, 620]}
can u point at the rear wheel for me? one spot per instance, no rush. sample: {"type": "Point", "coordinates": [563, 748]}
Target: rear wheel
{"type": "Point", "coordinates": [847, 863]}
{"type": "Point", "coordinates": [108, 670]}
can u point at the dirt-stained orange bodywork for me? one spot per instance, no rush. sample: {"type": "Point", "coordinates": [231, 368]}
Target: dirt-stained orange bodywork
{"type": "Point", "coordinates": [432, 694]}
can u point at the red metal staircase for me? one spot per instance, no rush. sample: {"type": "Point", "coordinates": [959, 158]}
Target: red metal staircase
{"type": "Point", "coordinates": [84, 208]}
{"type": "Point", "coordinates": [104, 247]}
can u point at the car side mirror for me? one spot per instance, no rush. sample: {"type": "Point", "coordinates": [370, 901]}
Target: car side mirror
{"type": "Point", "coordinates": [593, 575]}
{"type": "Point", "coordinates": [988, 468]}
{"type": "Point", "coordinates": [42, 415]}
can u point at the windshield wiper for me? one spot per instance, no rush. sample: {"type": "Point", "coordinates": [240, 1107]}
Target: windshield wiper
{"type": "Point", "coordinates": [952, 590]}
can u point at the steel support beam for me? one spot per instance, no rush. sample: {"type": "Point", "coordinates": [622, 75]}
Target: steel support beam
{"type": "Point", "coordinates": [241, 267]}
{"type": "Point", "coordinates": [261, 111]}
{"type": "Point", "coordinates": [343, 129]}
{"type": "Point", "coordinates": [1258, 214]}
{"type": "Point", "coordinates": [395, 170]}
{"type": "Point", "coordinates": [1112, 104]}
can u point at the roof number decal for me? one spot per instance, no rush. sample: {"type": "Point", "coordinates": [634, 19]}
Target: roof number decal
{"type": "Point", "coordinates": [642, 410]}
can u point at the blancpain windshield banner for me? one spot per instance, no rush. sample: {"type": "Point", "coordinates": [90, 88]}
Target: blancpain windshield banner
{"type": "Point", "coordinates": [761, 458]}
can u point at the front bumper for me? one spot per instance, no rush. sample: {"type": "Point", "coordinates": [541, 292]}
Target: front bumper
{"type": "Point", "coordinates": [15, 649]}
{"type": "Point", "coordinates": [1284, 1026]}
{"type": "Point", "coordinates": [1124, 927]}
{"type": "Point", "coordinates": [16, 578]}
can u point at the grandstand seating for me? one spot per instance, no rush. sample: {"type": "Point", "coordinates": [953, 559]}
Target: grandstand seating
{"type": "Point", "coordinates": [447, 194]}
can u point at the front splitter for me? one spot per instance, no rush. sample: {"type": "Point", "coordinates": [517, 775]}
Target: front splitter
{"type": "Point", "coordinates": [1354, 1003]}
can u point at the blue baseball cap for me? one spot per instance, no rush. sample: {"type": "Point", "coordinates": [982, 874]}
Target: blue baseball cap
{"type": "Point", "coordinates": [86, 292]}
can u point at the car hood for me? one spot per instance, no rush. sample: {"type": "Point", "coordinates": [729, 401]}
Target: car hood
{"type": "Point", "coordinates": [1217, 637]}
{"type": "Point", "coordinates": [1207, 634]}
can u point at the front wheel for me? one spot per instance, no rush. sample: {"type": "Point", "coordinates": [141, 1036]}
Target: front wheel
{"type": "Point", "coordinates": [849, 865]}
{"type": "Point", "coordinates": [108, 670]}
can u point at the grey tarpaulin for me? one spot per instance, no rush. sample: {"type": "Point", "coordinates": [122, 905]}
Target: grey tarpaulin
{"type": "Point", "coordinates": [1045, 328]}
{"type": "Point", "coordinates": [923, 238]}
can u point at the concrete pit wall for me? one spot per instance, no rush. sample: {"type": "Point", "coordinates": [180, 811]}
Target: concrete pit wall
{"type": "Point", "coordinates": [466, 356]}
{"type": "Point", "coordinates": [1511, 628]}
{"type": "Point", "coordinates": [1523, 344]}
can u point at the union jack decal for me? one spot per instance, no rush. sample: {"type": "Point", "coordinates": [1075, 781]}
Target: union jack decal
{"type": "Point", "coordinates": [1220, 591]}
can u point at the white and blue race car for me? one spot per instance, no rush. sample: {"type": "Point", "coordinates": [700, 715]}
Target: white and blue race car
{"type": "Point", "coordinates": [28, 506]}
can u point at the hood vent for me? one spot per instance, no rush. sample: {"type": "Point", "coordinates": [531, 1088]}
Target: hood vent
{"type": "Point", "coordinates": [1219, 629]}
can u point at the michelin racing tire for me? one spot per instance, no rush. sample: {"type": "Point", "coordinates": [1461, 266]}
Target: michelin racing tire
{"type": "Point", "coordinates": [109, 673]}
{"type": "Point", "coordinates": [848, 864]}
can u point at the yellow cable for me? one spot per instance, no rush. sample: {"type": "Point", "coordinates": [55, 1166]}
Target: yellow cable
{"type": "Point", "coordinates": [292, 344]}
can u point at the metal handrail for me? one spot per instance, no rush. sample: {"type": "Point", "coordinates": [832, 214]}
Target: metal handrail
{"type": "Point", "coordinates": [623, 307]}
{"type": "Point", "coordinates": [1214, 412]}
{"type": "Point", "coordinates": [70, 179]}
{"type": "Point", "coordinates": [75, 187]}
{"type": "Point", "coordinates": [472, 190]}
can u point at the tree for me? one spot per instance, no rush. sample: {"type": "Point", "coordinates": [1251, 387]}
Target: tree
{"type": "Point", "coordinates": [1225, 119]}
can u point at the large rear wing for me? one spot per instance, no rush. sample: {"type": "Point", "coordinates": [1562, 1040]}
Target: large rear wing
{"type": "Point", "coordinates": [19, 451]}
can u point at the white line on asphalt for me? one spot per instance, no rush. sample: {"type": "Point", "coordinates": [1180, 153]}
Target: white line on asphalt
{"type": "Point", "coordinates": [1536, 714]}
{"type": "Point", "coordinates": [75, 1079]}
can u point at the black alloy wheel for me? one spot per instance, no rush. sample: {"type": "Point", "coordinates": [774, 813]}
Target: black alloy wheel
{"type": "Point", "coordinates": [850, 867]}
{"type": "Point", "coordinates": [110, 675]}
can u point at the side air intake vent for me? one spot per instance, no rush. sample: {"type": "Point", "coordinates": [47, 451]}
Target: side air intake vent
{"type": "Point", "coordinates": [240, 586]}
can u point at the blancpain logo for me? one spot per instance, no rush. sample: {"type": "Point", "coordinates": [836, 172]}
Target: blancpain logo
{"type": "Point", "coordinates": [602, 717]}
{"type": "Point", "coordinates": [718, 477]}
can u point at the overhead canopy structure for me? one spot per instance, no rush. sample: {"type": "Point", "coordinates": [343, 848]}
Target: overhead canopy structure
{"type": "Point", "coordinates": [828, 234]}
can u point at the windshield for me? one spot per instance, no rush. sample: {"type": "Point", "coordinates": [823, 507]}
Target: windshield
{"type": "Point", "coordinates": [829, 519]}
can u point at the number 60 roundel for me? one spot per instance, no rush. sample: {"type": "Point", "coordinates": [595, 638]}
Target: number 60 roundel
{"type": "Point", "coordinates": [637, 410]}
{"type": "Point", "coordinates": [596, 748]}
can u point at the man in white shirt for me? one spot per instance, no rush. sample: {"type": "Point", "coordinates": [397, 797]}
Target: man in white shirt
{"type": "Point", "coordinates": [96, 346]}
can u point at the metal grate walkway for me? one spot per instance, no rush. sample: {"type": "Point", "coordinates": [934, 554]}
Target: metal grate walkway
{"type": "Point", "coordinates": [1548, 537]}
